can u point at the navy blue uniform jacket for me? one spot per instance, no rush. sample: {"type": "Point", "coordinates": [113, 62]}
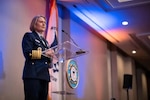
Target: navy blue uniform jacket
{"type": "Point", "coordinates": [35, 68]}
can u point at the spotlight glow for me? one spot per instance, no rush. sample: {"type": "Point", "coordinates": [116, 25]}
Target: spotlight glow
{"type": "Point", "coordinates": [133, 51]}
{"type": "Point", "coordinates": [124, 23]}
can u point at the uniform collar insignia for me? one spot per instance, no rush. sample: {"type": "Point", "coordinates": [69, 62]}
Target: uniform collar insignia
{"type": "Point", "coordinates": [37, 40]}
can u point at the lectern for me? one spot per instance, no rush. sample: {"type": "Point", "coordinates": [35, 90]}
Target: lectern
{"type": "Point", "coordinates": [68, 69]}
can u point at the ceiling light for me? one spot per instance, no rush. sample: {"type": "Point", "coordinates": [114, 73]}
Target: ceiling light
{"type": "Point", "coordinates": [124, 0]}
{"type": "Point", "coordinates": [149, 37]}
{"type": "Point", "coordinates": [124, 23]}
{"type": "Point", "coordinates": [133, 51]}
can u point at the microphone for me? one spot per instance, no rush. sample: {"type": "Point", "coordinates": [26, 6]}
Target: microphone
{"type": "Point", "coordinates": [70, 38]}
{"type": "Point", "coordinates": [80, 51]}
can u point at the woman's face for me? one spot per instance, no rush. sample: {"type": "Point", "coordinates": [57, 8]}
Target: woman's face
{"type": "Point", "coordinates": [40, 25]}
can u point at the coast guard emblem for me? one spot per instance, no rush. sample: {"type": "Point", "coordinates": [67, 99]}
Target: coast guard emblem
{"type": "Point", "coordinates": [72, 73]}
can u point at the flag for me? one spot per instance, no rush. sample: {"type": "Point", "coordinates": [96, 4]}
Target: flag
{"type": "Point", "coordinates": [52, 33]}
{"type": "Point", "coordinates": [52, 38]}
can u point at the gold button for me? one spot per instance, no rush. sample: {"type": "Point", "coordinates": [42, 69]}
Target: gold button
{"type": "Point", "coordinates": [45, 62]}
{"type": "Point", "coordinates": [30, 54]}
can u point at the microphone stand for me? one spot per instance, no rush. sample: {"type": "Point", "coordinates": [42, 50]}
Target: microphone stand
{"type": "Point", "coordinates": [80, 50]}
{"type": "Point", "coordinates": [70, 38]}
{"type": "Point", "coordinates": [127, 94]}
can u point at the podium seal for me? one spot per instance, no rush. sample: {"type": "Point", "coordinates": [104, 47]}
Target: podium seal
{"type": "Point", "coordinates": [72, 73]}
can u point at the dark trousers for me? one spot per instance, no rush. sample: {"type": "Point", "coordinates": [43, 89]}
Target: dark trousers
{"type": "Point", "coordinates": [35, 89]}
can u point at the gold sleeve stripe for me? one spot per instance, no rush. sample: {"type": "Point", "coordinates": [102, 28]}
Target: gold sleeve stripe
{"type": "Point", "coordinates": [36, 54]}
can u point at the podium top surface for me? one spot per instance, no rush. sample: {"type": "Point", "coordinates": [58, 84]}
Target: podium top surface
{"type": "Point", "coordinates": [68, 50]}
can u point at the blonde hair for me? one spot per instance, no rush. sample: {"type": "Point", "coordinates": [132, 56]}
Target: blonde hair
{"type": "Point", "coordinates": [33, 22]}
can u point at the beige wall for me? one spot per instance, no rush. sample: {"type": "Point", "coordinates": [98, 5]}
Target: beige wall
{"type": "Point", "coordinates": [125, 66]}
{"type": "Point", "coordinates": [142, 93]}
{"type": "Point", "coordinates": [121, 65]}
{"type": "Point", "coordinates": [15, 18]}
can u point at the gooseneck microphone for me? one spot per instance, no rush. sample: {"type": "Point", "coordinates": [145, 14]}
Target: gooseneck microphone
{"type": "Point", "coordinates": [70, 38]}
{"type": "Point", "coordinates": [80, 51]}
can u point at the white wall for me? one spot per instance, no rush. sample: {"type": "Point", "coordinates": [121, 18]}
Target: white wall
{"type": "Point", "coordinates": [125, 66]}
{"type": "Point", "coordinates": [93, 66]}
{"type": "Point", "coordinates": [142, 91]}
{"type": "Point", "coordinates": [121, 65]}
{"type": "Point", "coordinates": [15, 18]}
